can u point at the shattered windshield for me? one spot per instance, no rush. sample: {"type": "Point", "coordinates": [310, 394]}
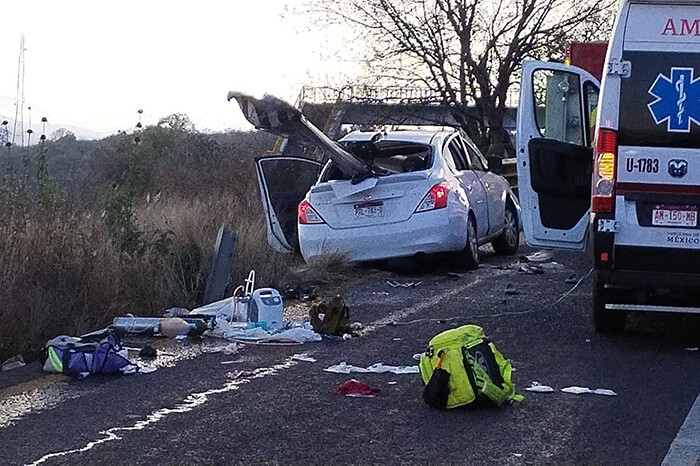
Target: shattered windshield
{"type": "Point", "coordinates": [385, 158]}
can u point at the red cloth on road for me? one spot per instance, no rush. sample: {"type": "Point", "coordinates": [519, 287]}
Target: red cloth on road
{"type": "Point", "coordinates": [355, 387]}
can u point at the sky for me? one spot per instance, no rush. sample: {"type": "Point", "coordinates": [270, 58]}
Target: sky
{"type": "Point", "coordinates": [93, 64]}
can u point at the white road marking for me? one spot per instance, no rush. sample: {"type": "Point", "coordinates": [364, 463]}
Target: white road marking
{"type": "Point", "coordinates": [685, 448]}
{"type": "Point", "coordinates": [191, 402]}
{"type": "Point", "coordinates": [402, 314]}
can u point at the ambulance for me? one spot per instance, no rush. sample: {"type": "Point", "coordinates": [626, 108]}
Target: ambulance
{"type": "Point", "coordinates": [614, 167]}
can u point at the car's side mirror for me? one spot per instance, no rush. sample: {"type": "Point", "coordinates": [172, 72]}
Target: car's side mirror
{"type": "Point", "coordinates": [495, 164]}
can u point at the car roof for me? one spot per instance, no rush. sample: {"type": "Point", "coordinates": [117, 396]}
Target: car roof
{"type": "Point", "coordinates": [418, 136]}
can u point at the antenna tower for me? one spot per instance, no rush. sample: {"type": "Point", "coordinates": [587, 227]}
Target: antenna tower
{"type": "Point", "coordinates": [19, 99]}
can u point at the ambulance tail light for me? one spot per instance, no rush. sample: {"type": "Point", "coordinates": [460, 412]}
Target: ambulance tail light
{"type": "Point", "coordinates": [604, 166]}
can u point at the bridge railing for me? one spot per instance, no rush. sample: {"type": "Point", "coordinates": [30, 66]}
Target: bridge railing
{"type": "Point", "coordinates": [383, 94]}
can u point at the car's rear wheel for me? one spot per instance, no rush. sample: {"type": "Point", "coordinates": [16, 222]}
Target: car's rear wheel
{"type": "Point", "coordinates": [507, 242]}
{"type": "Point", "coordinates": [471, 250]}
{"type": "Point", "coordinates": [604, 320]}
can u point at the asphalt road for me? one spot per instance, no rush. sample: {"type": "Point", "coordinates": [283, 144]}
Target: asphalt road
{"type": "Point", "coordinates": [202, 409]}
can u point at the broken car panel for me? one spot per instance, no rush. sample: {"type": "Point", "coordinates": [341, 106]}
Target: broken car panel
{"type": "Point", "coordinates": [277, 116]}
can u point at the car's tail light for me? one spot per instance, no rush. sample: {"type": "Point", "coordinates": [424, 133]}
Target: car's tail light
{"type": "Point", "coordinates": [435, 199]}
{"type": "Point", "coordinates": [604, 171]}
{"type": "Point", "coordinates": [307, 214]}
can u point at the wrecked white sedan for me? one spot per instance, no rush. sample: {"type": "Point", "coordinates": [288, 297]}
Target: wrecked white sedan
{"type": "Point", "coordinates": [382, 195]}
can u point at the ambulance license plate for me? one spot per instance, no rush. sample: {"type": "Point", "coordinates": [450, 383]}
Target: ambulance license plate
{"type": "Point", "coordinates": [668, 216]}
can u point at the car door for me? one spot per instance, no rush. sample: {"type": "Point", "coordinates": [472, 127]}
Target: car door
{"type": "Point", "coordinates": [283, 183]}
{"type": "Point", "coordinates": [476, 194]}
{"type": "Point", "coordinates": [493, 186]}
{"type": "Point", "coordinates": [556, 114]}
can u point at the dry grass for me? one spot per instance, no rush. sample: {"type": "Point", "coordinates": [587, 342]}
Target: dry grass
{"type": "Point", "coordinates": [196, 220]}
{"type": "Point", "coordinates": [61, 273]}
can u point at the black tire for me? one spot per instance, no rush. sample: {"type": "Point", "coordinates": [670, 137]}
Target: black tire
{"type": "Point", "coordinates": [471, 249]}
{"type": "Point", "coordinates": [605, 321]}
{"type": "Point", "coordinates": [508, 242]}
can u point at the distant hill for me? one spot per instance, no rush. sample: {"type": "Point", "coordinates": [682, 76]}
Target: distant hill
{"type": "Point", "coordinates": [7, 112]}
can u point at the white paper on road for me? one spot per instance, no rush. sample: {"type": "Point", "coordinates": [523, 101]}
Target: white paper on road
{"type": "Point", "coordinates": [581, 390]}
{"type": "Point", "coordinates": [604, 391]}
{"type": "Point", "coordinates": [378, 368]}
{"type": "Point", "coordinates": [303, 358]}
{"type": "Point", "coordinates": [537, 388]}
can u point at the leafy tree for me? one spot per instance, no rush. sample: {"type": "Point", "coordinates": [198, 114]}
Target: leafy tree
{"type": "Point", "coordinates": [469, 52]}
{"type": "Point", "coordinates": [178, 122]}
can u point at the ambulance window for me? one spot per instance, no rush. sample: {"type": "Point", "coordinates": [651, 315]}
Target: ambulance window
{"type": "Point", "coordinates": [590, 93]}
{"type": "Point", "coordinates": [558, 105]}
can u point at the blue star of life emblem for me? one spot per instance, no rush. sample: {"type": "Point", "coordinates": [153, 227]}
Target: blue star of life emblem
{"type": "Point", "coordinates": [677, 100]}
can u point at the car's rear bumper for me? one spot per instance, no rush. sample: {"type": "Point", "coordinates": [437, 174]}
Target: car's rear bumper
{"type": "Point", "coordinates": [425, 232]}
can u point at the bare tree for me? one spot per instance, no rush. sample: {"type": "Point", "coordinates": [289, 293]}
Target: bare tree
{"type": "Point", "coordinates": [62, 134]}
{"type": "Point", "coordinates": [469, 52]}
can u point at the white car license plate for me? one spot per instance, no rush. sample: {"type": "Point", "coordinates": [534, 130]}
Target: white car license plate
{"type": "Point", "coordinates": [674, 217]}
{"type": "Point", "coordinates": [375, 210]}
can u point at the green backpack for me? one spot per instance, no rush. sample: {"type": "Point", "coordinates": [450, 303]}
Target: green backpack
{"type": "Point", "coordinates": [469, 367]}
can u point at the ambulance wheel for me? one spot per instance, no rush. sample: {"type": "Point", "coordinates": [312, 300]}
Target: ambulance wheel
{"type": "Point", "coordinates": [606, 321]}
{"type": "Point", "coordinates": [471, 250]}
{"type": "Point", "coordinates": [507, 242]}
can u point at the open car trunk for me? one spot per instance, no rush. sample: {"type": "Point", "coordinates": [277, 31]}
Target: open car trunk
{"type": "Point", "coordinates": [278, 117]}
